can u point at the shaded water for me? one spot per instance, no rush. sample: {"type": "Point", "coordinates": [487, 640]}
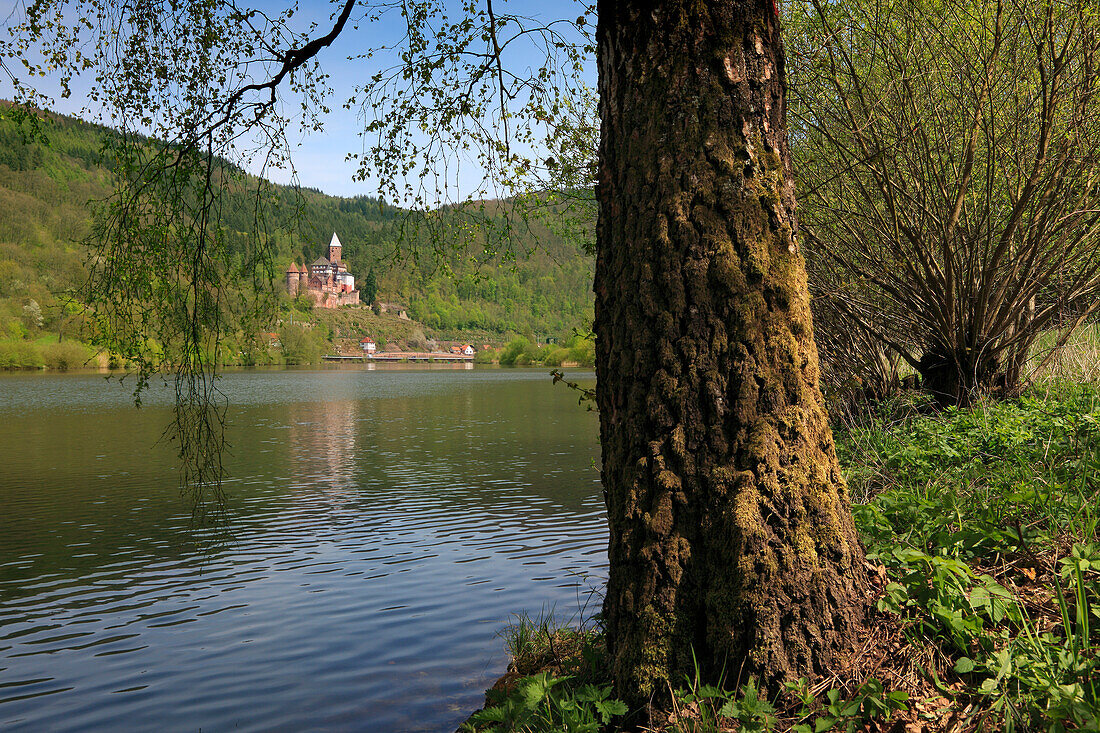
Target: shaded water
{"type": "Point", "coordinates": [386, 525]}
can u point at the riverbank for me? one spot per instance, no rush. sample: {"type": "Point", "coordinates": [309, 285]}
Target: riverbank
{"type": "Point", "coordinates": [309, 336]}
{"type": "Point", "coordinates": [981, 530]}
{"type": "Point", "coordinates": [49, 353]}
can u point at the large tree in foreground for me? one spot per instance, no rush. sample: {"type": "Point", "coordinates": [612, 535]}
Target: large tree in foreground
{"type": "Point", "coordinates": [732, 541]}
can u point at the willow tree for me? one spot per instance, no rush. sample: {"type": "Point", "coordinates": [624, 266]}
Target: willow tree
{"type": "Point", "coordinates": [732, 543]}
{"type": "Point", "coordinates": [948, 155]}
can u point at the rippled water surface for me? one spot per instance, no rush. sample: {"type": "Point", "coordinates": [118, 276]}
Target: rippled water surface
{"type": "Point", "coordinates": [386, 525]}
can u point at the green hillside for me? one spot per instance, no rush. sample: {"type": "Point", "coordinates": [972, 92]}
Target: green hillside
{"type": "Point", "coordinates": [44, 215]}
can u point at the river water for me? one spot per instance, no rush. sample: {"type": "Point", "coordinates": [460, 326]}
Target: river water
{"type": "Point", "coordinates": [386, 525]}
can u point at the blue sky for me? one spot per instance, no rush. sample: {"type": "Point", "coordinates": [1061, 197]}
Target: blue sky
{"type": "Point", "coordinates": [320, 160]}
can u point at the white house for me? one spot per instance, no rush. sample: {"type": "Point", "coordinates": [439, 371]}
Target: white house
{"type": "Point", "coordinates": [368, 345]}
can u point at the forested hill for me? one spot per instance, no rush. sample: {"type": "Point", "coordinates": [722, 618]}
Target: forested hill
{"type": "Point", "coordinates": [45, 188]}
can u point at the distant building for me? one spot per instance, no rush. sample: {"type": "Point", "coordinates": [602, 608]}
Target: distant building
{"type": "Point", "coordinates": [326, 281]}
{"type": "Point", "coordinates": [467, 350]}
{"type": "Point", "coordinates": [368, 345]}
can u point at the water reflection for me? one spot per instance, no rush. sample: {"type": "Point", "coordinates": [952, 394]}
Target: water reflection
{"type": "Point", "coordinates": [387, 523]}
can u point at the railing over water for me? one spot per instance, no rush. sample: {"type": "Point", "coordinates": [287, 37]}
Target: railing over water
{"type": "Point", "coordinates": [401, 356]}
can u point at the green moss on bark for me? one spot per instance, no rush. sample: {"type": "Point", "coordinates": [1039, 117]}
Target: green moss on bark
{"type": "Point", "coordinates": [732, 541]}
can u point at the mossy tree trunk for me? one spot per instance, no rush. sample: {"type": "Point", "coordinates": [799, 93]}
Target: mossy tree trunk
{"type": "Point", "coordinates": [732, 540]}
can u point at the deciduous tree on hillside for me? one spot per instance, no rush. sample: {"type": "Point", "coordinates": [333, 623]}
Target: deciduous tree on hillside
{"type": "Point", "coordinates": [732, 542]}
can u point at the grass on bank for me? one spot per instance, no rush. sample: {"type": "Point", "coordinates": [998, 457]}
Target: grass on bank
{"type": "Point", "coordinates": [981, 526]}
{"type": "Point", "coordinates": [48, 353]}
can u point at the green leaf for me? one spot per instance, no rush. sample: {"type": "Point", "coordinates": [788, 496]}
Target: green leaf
{"type": "Point", "coordinates": [730, 710]}
{"type": "Point", "coordinates": [489, 715]}
{"type": "Point", "coordinates": [965, 665]}
{"type": "Point", "coordinates": [710, 691]}
{"type": "Point", "coordinates": [610, 708]}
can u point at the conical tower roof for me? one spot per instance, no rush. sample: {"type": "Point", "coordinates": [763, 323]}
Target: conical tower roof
{"type": "Point", "coordinates": [293, 267]}
{"type": "Point", "coordinates": [335, 241]}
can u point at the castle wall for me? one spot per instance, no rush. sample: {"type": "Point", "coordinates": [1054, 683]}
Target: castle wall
{"type": "Point", "coordinates": [327, 295]}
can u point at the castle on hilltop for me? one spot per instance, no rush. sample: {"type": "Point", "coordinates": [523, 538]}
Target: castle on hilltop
{"type": "Point", "coordinates": [326, 281]}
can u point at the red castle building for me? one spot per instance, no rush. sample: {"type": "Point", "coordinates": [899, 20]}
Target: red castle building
{"type": "Point", "coordinates": [326, 281]}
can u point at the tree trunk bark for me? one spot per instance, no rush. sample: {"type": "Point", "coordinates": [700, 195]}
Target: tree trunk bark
{"type": "Point", "coordinates": [732, 540]}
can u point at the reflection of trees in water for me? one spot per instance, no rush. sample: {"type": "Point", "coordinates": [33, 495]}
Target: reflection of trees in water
{"type": "Point", "coordinates": [85, 488]}
{"type": "Point", "coordinates": [88, 488]}
{"type": "Point", "coordinates": [479, 446]}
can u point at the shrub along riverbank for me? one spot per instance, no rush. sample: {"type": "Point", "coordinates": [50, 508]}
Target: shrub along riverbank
{"type": "Point", "coordinates": [981, 526]}
{"type": "Point", "coordinates": [47, 353]}
{"type": "Point", "coordinates": [580, 350]}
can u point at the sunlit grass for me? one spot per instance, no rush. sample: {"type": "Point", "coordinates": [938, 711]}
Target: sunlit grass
{"type": "Point", "coordinates": [1077, 361]}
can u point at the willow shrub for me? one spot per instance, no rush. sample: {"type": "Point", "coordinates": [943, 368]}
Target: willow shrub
{"type": "Point", "coordinates": [20, 355]}
{"type": "Point", "coordinates": [66, 355]}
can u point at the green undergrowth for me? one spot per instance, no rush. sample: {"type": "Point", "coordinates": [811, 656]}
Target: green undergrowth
{"type": "Point", "coordinates": [983, 523]}
{"type": "Point", "coordinates": [986, 523]}
{"type": "Point", "coordinates": [557, 681]}
{"type": "Point", "coordinates": [45, 354]}
{"type": "Point", "coordinates": [579, 350]}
